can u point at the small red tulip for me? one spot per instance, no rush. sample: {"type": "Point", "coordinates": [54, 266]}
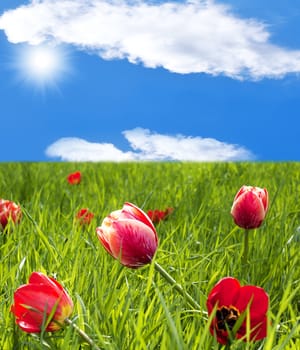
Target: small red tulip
{"type": "Point", "coordinates": [9, 211]}
{"type": "Point", "coordinates": [74, 178]}
{"type": "Point", "coordinates": [129, 236]}
{"type": "Point", "coordinates": [231, 300]}
{"type": "Point", "coordinates": [157, 215]}
{"type": "Point", "coordinates": [36, 301]}
{"type": "Point", "coordinates": [84, 216]}
{"type": "Point", "coordinates": [250, 207]}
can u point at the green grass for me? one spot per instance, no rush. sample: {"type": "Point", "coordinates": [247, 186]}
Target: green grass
{"type": "Point", "coordinates": [124, 309]}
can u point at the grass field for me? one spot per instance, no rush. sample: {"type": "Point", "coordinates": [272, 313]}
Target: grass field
{"type": "Point", "coordinates": [121, 308]}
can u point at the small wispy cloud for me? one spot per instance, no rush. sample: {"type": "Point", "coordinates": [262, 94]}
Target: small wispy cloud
{"type": "Point", "coordinates": [199, 36]}
{"type": "Point", "coordinates": [149, 146]}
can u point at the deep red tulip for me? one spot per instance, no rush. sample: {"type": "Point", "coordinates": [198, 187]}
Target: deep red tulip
{"type": "Point", "coordinates": [36, 301]}
{"type": "Point", "coordinates": [250, 207]}
{"type": "Point", "coordinates": [157, 215]}
{"type": "Point", "coordinates": [74, 178]}
{"type": "Point", "coordinates": [129, 236]}
{"type": "Point", "coordinates": [230, 300]}
{"type": "Point", "coordinates": [84, 216]}
{"type": "Point", "coordinates": [9, 211]}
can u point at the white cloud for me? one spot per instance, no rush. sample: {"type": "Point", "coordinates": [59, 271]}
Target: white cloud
{"type": "Point", "coordinates": [75, 149]}
{"type": "Point", "coordinates": [149, 146]}
{"type": "Point", "coordinates": [200, 36]}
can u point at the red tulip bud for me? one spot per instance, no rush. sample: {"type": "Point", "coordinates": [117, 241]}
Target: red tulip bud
{"type": "Point", "coordinates": [41, 298]}
{"type": "Point", "coordinates": [250, 206]}
{"type": "Point", "coordinates": [9, 211]}
{"type": "Point", "coordinates": [157, 215]}
{"type": "Point", "coordinates": [74, 178]}
{"type": "Point", "coordinates": [84, 216]}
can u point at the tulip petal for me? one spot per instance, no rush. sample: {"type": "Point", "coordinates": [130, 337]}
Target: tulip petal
{"type": "Point", "coordinates": [133, 243]}
{"type": "Point", "coordinates": [223, 293]}
{"type": "Point", "coordinates": [102, 237]}
{"type": "Point", "coordinates": [256, 296]}
{"type": "Point", "coordinates": [131, 211]}
{"type": "Point", "coordinates": [242, 190]}
{"type": "Point", "coordinates": [52, 284]}
{"type": "Point", "coordinates": [258, 301]}
{"type": "Point", "coordinates": [40, 278]}
{"type": "Point", "coordinates": [264, 198]}
{"type": "Point", "coordinates": [32, 302]}
{"type": "Point", "coordinates": [29, 326]}
{"type": "Point", "coordinates": [37, 296]}
{"type": "Point", "coordinates": [258, 330]}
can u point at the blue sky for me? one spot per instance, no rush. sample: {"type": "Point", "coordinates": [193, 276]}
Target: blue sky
{"type": "Point", "coordinates": [91, 80]}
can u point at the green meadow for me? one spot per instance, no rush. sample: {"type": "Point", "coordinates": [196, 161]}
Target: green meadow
{"type": "Point", "coordinates": [126, 309]}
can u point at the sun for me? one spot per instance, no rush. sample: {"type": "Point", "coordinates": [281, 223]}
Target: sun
{"type": "Point", "coordinates": [42, 62]}
{"type": "Point", "coordinates": [41, 66]}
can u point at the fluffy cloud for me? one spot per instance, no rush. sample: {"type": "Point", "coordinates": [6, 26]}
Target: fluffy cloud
{"type": "Point", "coordinates": [199, 36]}
{"type": "Point", "coordinates": [148, 146]}
{"type": "Point", "coordinates": [78, 150]}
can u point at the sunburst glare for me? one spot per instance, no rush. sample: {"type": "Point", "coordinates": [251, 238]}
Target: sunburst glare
{"type": "Point", "coordinates": [41, 66]}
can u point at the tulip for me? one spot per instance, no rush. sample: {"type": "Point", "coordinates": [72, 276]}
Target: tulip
{"type": "Point", "coordinates": [84, 216]}
{"type": "Point", "coordinates": [42, 304]}
{"type": "Point", "coordinates": [129, 236]}
{"type": "Point", "coordinates": [157, 215]}
{"type": "Point", "coordinates": [249, 207]}
{"type": "Point", "coordinates": [230, 301]}
{"type": "Point", "coordinates": [74, 178]}
{"type": "Point", "coordinates": [9, 211]}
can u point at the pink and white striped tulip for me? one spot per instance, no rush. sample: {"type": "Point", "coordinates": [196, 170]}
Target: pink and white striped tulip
{"type": "Point", "coordinates": [129, 236]}
{"type": "Point", "coordinates": [250, 206]}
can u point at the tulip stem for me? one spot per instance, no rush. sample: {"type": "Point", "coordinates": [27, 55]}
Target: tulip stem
{"type": "Point", "coordinates": [177, 286]}
{"type": "Point", "coordinates": [82, 334]}
{"type": "Point", "coordinates": [246, 248]}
